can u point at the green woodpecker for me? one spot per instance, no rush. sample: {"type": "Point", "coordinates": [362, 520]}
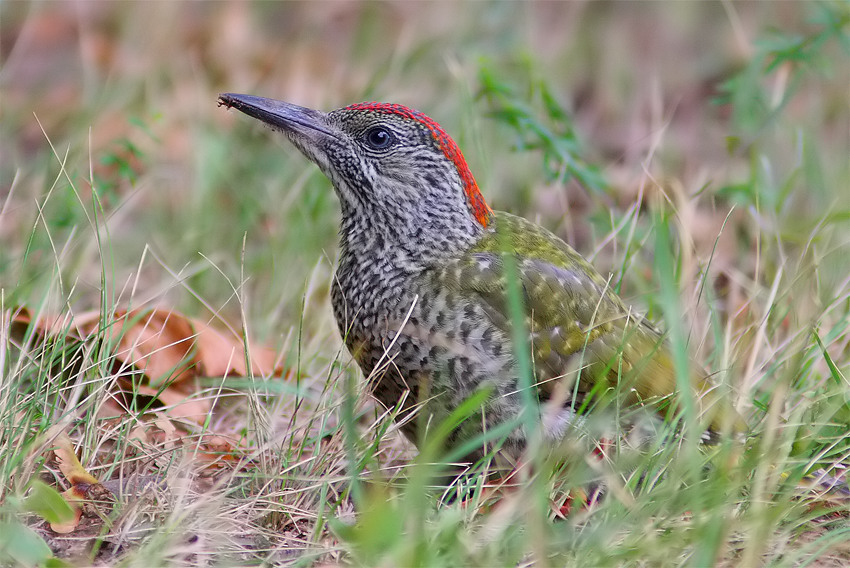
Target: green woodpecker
{"type": "Point", "coordinates": [423, 299]}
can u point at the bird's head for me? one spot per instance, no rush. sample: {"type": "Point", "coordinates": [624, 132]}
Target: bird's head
{"type": "Point", "coordinates": [394, 169]}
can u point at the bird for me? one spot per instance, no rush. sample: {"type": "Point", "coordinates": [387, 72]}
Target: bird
{"type": "Point", "coordinates": [438, 297]}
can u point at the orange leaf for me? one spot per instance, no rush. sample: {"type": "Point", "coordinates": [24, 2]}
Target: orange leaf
{"type": "Point", "coordinates": [223, 355]}
{"type": "Point", "coordinates": [84, 486]}
{"type": "Point", "coordinates": [158, 342]}
{"type": "Point", "coordinates": [69, 465]}
{"type": "Point", "coordinates": [70, 525]}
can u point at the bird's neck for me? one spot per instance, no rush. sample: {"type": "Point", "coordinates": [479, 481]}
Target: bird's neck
{"type": "Point", "coordinates": [381, 242]}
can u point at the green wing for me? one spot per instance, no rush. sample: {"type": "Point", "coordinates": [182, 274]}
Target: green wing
{"type": "Point", "coordinates": [577, 325]}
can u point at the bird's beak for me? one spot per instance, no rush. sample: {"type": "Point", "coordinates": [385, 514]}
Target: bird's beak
{"type": "Point", "coordinates": [291, 119]}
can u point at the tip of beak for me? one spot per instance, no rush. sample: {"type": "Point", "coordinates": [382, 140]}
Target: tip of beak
{"type": "Point", "coordinates": [230, 100]}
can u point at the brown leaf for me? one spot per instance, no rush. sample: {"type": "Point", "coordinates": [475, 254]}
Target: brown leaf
{"type": "Point", "coordinates": [162, 343]}
{"type": "Point", "coordinates": [69, 465]}
{"type": "Point", "coordinates": [20, 318]}
{"type": "Point", "coordinates": [84, 486]}
{"type": "Point", "coordinates": [167, 347]}
{"type": "Point", "coordinates": [173, 401]}
{"type": "Point", "coordinates": [71, 525]}
{"type": "Point", "coordinates": [222, 355]}
{"type": "Point", "coordinates": [158, 342]}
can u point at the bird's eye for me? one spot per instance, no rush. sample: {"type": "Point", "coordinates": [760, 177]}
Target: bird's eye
{"type": "Point", "coordinates": [378, 138]}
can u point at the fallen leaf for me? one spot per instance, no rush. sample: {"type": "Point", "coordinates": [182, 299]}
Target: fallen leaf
{"type": "Point", "coordinates": [84, 486]}
{"type": "Point", "coordinates": [68, 463]}
{"type": "Point", "coordinates": [221, 355]}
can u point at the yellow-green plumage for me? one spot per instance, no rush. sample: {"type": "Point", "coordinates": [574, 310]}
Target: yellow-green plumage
{"type": "Point", "coordinates": [571, 313]}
